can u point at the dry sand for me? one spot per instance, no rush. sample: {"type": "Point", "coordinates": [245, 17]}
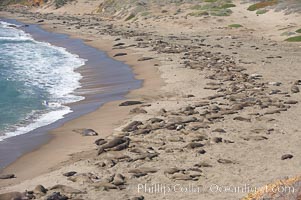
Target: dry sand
{"type": "Point", "coordinates": [233, 141]}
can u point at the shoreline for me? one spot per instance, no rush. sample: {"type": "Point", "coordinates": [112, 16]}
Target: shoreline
{"type": "Point", "coordinates": [226, 116]}
{"type": "Point", "coordinates": [63, 137]}
{"type": "Point", "coordinates": [99, 65]}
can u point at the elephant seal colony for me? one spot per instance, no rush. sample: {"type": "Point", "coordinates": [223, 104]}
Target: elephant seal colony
{"type": "Point", "coordinates": [225, 123]}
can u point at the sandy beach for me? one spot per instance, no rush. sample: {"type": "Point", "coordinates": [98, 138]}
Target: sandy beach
{"type": "Point", "coordinates": [65, 144]}
{"type": "Point", "coordinates": [217, 116]}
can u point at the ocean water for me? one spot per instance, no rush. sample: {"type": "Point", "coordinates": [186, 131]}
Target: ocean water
{"type": "Point", "coordinates": [37, 80]}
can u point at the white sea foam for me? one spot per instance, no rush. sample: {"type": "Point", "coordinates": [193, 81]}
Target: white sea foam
{"type": "Point", "coordinates": [42, 120]}
{"type": "Point", "coordinates": [43, 66]}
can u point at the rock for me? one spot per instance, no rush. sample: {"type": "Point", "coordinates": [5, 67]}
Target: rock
{"type": "Point", "coordinates": [194, 145]}
{"type": "Point", "coordinates": [7, 176]}
{"type": "Point", "coordinates": [12, 196]}
{"type": "Point", "coordinates": [40, 21]}
{"type": "Point", "coordinates": [295, 89]}
{"type": "Point", "coordinates": [145, 58]}
{"type": "Point", "coordinates": [130, 103]}
{"type": "Point", "coordinates": [120, 54]}
{"type": "Point", "coordinates": [40, 189]}
{"type": "Point", "coordinates": [287, 156]}
{"type": "Point", "coordinates": [57, 196]}
{"type": "Point", "coordinates": [68, 174]}
{"type": "Point", "coordinates": [133, 126]}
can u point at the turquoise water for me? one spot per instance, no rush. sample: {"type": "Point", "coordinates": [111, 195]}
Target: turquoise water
{"type": "Point", "coordinates": [36, 81]}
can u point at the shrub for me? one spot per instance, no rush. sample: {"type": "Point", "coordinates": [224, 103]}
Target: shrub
{"type": "Point", "coordinates": [59, 3]}
{"type": "Point", "coordinates": [210, 1]}
{"type": "Point", "coordinates": [199, 13]}
{"type": "Point", "coordinates": [294, 39]}
{"type": "Point", "coordinates": [260, 12]}
{"type": "Point", "coordinates": [264, 4]}
{"type": "Point", "coordinates": [131, 16]}
{"type": "Point", "coordinates": [228, 5]}
{"type": "Point", "coordinates": [222, 12]}
{"type": "Point", "coordinates": [235, 25]}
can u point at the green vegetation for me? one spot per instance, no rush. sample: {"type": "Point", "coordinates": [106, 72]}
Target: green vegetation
{"type": "Point", "coordinates": [235, 25]}
{"type": "Point", "coordinates": [294, 39]}
{"type": "Point", "coordinates": [197, 7]}
{"type": "Point", "coordinates": [214, 8]}
{"type": "Point", "coordinates": [210, 1]}
{"type": "Point", "coordinates": [131, 16]}
{"type": "Point", "coordinates": [11, 2]}
{"type": "Point", "coordinates": [222, 12]}
{"type": "Point", "coordinates": [263, 4]}
{"type": "Point", "coordinates": [298, 31]}
{"type": "Point", "coordinates": [145, 13]}
{"type": "Point", "coordinates": [228, 5]}
{"type": "Point", "coordinates": [60, 3]}
{"type": "Point", "coordinates": [260, 12]}
{"type": "Point", "coordinates": [199, 13]}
